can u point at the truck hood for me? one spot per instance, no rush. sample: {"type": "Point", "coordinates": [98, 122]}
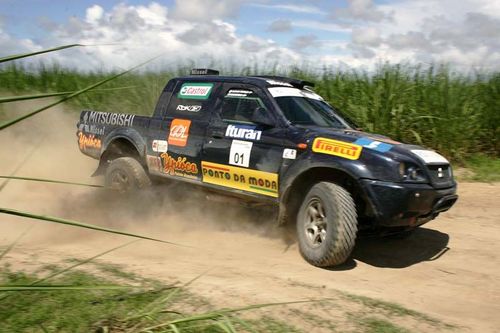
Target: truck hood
{"type": "Point", "coordinates": [381, 155]}
{"type": "Point", "coordinates": [377, 144]}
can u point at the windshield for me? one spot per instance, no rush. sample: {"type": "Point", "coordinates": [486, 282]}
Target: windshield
{"type": "Point", "coordinates": [309, 111]}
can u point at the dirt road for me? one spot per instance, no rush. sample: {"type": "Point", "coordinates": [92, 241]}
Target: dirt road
{"type": "Point", "coordinates": [448, 270]}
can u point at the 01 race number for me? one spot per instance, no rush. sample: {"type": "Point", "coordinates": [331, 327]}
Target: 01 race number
{"type": "Point", "coordinates": [240, 153]}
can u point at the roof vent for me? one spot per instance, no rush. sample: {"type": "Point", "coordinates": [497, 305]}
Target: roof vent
{"type": "Point", "coordinates": [204, 71]}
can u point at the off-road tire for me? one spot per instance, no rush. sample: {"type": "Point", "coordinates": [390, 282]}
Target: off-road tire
{"type": "Point", "coordinates": [340, 219]}
{"type": "Point", "coordinates": [126, 174]}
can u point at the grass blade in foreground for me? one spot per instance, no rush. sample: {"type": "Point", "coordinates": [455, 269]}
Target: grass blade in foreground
{"type": "Point", "coordinates": [79, 224]}
{"type": "Point", "coordinates": [20, 165]}
{"type": "Point", "coordinates": [7, 250]}
{"type": "Point", "coordinates": [83, 262]}
{"type": "Point", "coordinates": [221, 314]}
{"type": "Point", "coordinates": [55, 287]}
{"type": "Point", "coordinates": [79, 92]}
{"type": "Point", "coordinates": [24, 55]}
{"type": "Point", "coordinates": [49, 181]}
{"type": "Point", "coordinates": [156, 306]}
{"type": "Point", "coordinates": [54, 94]}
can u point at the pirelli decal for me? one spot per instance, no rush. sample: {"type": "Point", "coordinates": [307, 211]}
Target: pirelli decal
{"type": "Point", "coordinates": [337, 148]}
{"type": "Point", "coordinates": [261, 182]}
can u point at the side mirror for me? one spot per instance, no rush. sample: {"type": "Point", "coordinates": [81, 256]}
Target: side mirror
{"type": "Point", "coordinates": [262, 117]}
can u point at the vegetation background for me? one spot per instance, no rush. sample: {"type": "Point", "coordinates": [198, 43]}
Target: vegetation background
{"type": "Point", "coordinates": [455, 113]}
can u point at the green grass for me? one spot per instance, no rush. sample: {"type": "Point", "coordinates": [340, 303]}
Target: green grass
{"type": "Point", "coordinates": [484, 168]}
{"type": "Point", "coordinates": [392, 309]}
{"type": "Point", "coordinates": [65, 311]}
{"type": "Point", "coordinates": [376, 325]}
{"type": "Point", "coordinates": [148, 304]}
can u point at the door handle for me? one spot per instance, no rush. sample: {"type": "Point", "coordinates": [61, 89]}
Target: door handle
{"type": "Point", "coordinates": [217, 134]}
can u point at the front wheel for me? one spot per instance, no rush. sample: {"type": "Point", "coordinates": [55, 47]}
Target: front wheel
{"type": "Point", "coordinates": [126, 174]}
{"type": "Point", "coordinates": [327, 225]}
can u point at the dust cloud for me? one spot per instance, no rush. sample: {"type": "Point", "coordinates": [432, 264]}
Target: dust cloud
{"type": "Point", "coordinates": [45, 146]}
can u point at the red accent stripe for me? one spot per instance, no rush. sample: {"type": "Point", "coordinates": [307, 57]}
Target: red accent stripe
{"type": "Point", "coordinates": [214, 167]}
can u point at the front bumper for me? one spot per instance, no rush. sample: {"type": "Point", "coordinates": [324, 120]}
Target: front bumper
{"type": "Point", "coordinates": [399, 204]}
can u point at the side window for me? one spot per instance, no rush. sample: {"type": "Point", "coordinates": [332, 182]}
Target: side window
{"type": "Point", "coordinates": [191, 99]}
{"type": "Point", "coordinates": [239, 105]}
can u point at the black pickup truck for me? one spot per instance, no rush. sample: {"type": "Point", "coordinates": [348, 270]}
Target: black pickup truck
{"type": "Point", "coordinates": [272, 140]}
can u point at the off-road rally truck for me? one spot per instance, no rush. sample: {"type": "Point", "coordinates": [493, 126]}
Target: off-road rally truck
{"type": "Point", "coordinates": [272, 140]}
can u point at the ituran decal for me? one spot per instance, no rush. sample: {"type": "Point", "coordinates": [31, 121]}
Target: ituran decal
{"type": "Point", "coordinates": [189, 108]}
{"type": "Point", "coordinates": [195, 90]}
{"type": "Point", "coordinates": [243, 132]}
{"type": "Point", "coordinates": [113, 119]}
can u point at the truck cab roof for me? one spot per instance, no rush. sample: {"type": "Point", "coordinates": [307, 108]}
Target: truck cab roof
{"type": "Point", "coordinates": [263, 81]}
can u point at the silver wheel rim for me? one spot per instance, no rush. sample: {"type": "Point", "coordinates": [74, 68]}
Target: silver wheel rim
{"type": "Point", "coordinates": [316, 223]}
{"type": "Point", "coordinates": [120, 180]}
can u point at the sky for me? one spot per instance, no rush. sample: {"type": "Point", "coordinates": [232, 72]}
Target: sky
{"type": "Point", "coordinates": [201, 33]}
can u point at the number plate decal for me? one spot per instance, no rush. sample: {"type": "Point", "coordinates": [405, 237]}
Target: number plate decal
{"type": "Point", "coordinates": [240, 153]}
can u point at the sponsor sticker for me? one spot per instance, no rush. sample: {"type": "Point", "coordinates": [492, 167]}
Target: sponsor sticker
{"type": "Point", "coordinates": [88, 141]}
{"type": "Point", "coordinates": [243, 132]}
{"type": "Point", "coordinates": [179, 132]}
{"type": "Point", "coordinates": [195, 91]}
{"type": "Point", "coordinates": [154, 163]}
{"type": "Point", "coordinates": [279, 83]}
{"type": "Point", "coordinates": [240, 153]}
{"type": "Point", "coordinates": [290, 154]}
{"type": "Point", "coordinates": [92, 129]}
{"type": "Point", "coordinates": [293, 92]}
{"type": "Point", "coordinates": [255, 181]}
{"type": "Point", "coordinates": [178, 167]}
{"type": "Point", "coordinates": [189, 108]}
{"type": "Point", "coordinates": [337, 148]}
{"type": "Point", "coordinates": [113, 119]}
{"type": "Point", "coordinates": [160, 146]}
{"type": "Point", "coordinates": [372, 144]}
{"type": "Point", "coordinates": [239, 93]}
{"type": "Point", "coordinates": [430, 157]}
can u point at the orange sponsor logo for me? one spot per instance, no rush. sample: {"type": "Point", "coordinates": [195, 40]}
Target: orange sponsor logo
{"type": "Point", "coordinates": [179, 132]}
{"type": "Point", "coordinates": [179, 166]}
{"type": "Point", "coordinates": [88, 141]}
{"type": "Point", "coordinates": [337, 148]}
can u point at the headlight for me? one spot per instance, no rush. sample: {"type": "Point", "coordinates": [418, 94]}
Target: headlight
{"type": "Point", "coordinates": [411, 172]}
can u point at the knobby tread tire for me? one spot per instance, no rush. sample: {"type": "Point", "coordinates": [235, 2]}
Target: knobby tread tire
{"type": "Point", "coordinates": [342, 217]}
{"type": "Point", "coordinates": [133, 168]}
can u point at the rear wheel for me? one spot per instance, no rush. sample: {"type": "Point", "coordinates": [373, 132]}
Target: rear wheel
{"type": "Point", "coordinates": [327, 225]}
{"type": "Point", "coordinates": [126, 174]}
